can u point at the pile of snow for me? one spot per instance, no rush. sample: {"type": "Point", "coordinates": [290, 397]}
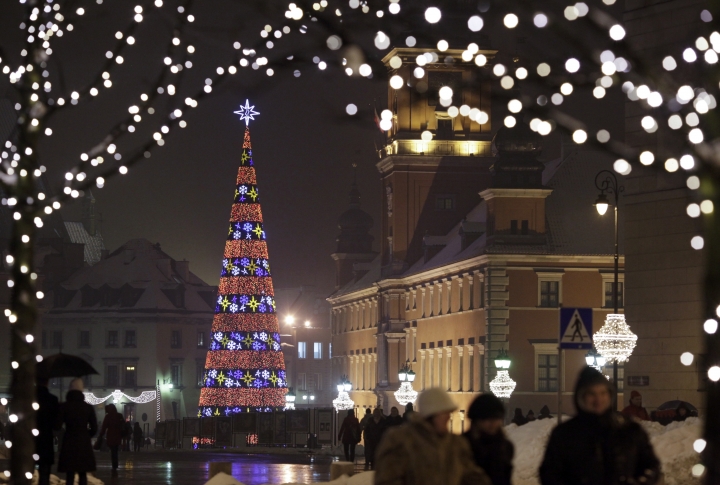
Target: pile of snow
{"type": "Point", "coordinates": [673, 445]}
{"type": "Point", "coordinates": [364, 478]}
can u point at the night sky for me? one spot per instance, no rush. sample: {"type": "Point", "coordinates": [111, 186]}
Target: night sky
{"type": "Point", "coordinates": [303, 144]}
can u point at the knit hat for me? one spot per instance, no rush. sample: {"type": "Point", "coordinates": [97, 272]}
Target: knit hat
{"type": "Point", "coordinates": [588, 378]}
{"type": "Point", "coordinates": [486, 406]}
{"type": "Point", "coordinates": [434, 401]}
{"type": "Point", "coordinates": [76, 384]}
{"type": "Point", "coordinates": [634, 394]}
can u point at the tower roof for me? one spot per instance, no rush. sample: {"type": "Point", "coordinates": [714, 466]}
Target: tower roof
{"type": "Point", "coordinates": [354, 225]}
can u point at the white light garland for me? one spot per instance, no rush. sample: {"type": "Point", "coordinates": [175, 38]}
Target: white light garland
{"type": "Point", "coordinates": [614, 340]}
{"type": "Point", "coordinates": [343, 402]}
{"type": "Point", "coordinates": [406, 394]}
{"type": "Point", "coordinates": [145, 396]}
{"type": "Point", "coordinates": [502, 386]}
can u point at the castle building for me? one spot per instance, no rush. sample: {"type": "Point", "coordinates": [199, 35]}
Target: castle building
{"type": "Point", "coordinates": [481, 244]}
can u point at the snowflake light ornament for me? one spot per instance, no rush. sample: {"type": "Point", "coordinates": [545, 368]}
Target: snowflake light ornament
{"type": "Point", "coordinates": [247, 112]}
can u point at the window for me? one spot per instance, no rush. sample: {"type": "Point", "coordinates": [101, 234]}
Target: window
{"type": "Point", "coordinates": [111, 376]}
{"type": "Point", "coordinates": [57, 342]}
{"type": "Point", "coordinates": [317, 350]}
{"type": "Point", "coordinates": [301, 381]}
{"type": "Point", "coordinates": [112, 340]}
{"type": "Point", "coordinates": [130, 376]}
{"type": "Point", "coordinates": [524, 229]}
{"type": "Point", "coordinates": [130, 338]}
{"type": "Point", "coordinates": [330, 350]}
{"type": "Point", "coordinates": [513, 227]}
{"type": "Point", "coordinates": [176, 339]}
{"type": "Point", "coordinates": [318, 382]}
{"type": "Point", "coordinates": [445, 202]}
{"type": "Point", "coordinates": [200, 372]}
{"type": "Point", "coordinates": [621, 375]}
{"type": "Point", "coordinates": [301, 350]}
{"type": "Point", "coordinates": [84, 339]}
{"type": "Point", "coordinates": [547, 372]}
{"type": "Point", "coordinates": [609, 293]}
{"type": "Point", "coordinates": [549, 294]}
{"type": "Point", "coordinates": [201, 340]}
{"type": "Point", "coordinates": [176, 375]}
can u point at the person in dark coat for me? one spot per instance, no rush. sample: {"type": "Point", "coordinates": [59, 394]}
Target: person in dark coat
{"type": "Point", "coordinates": [518, 418]}
{"type": "Point", "coordinates": [635, 409]}
{"type": "Point", "coordinates": [598, 446]}
{"type": "Point", "coordinates": [349, 435]}
{"type": "Point", "coordinates": [491, 449]}
{"type": "Point", "coordinates": [545, 413]}
{"type": "Point", "coordinates": [78, 417]}
{"type": "Point", "coordinates": [372, 434]}
{"type": "Point", "coordinates": [394, 419]}
{"type": "Point", "coordinates": [47, 416]}
{"type": "Point", "coordinates": [127, 436]}
{"type": "Point", "coordinates": [530, 416]}
{"type": "Point", "coordinates": [366, 419]}
{"type": "Point", "coordinates": [137, 437]}
{"type": "Point", "coordinates": [114, 424]}
{"type": "Point", "coordinates": [409, 410]}
{"type": "Point", "coordinates": [682, 413]}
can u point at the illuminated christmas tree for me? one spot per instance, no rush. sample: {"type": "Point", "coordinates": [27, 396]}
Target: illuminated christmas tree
{"type": "Point", "coordinates": [244, 369]}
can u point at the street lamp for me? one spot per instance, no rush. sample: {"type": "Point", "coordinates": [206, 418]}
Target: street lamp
{"type": "Point", "coordinates": [406, 394]}
{"type": "Point", "coordinates": [614, 340]}
{"type": "Point", "coordinates": [290, 400]}
{"type": "Point", "coordinates": [289, 320]}
{"type": "Point", "coordinates": [343, 401]}
{"type": "Point", "coordinates": [502, 386]}
{"type": "Point", "coordinates": [595, 360]}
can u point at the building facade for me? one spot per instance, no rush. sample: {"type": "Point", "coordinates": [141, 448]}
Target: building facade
{"type": "Point", "coordinates": [304, 316]}
{"type": "Point", "coordinates": [142, 319]}
{"type": "Point", "coordinates": [481, 245]}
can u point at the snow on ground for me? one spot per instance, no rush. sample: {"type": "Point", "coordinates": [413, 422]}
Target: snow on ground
{"type": "Point", "coordinates": [364, 478]}
{"type": "Point", "coordinates": [673, 445]}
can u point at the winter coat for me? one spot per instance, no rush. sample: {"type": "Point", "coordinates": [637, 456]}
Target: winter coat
{"type": "Point", "coordinates": [47, 416]}
{"type": "Point", "coordinates": [372, 434]}
{"type": "Point", "coordinates": [137, 434]}
{"type": "Point", "coordinates": [391, 421]}
{"type": "Point", "coordinates": [591, 449]}
{"type": "Point", "coordinates": [76, 454]}
{"type": "Point", "coordinates": [114, 424]}
{"type": "Point", "coordinates": [364, 421]}
{"type": "Point", "coordinates": [492, 453]}
{"type": "Point", "coordinates": [349, 431]}
{"type": "Point", "coordinates": [637, 412]}
{"type": "Point", "coordinates": [414, 454]}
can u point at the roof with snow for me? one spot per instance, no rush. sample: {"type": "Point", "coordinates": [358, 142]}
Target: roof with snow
{"type": "Point", "coordinates": [94, 245]}
{"type": "Point", "coordinates": [573, 225]}
{"type": "Point", "coordinates": [136, 277]}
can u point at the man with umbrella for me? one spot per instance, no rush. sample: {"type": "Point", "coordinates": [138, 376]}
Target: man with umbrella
{"type": "Point", "coordinates": [46, 417]}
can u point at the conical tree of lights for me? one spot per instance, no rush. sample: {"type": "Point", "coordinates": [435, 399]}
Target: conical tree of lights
{"type": "Point", "coordinates": [244, 369]}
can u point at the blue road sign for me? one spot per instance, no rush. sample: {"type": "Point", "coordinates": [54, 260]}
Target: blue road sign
{"type": "Point", "coordinates": [576, 328]}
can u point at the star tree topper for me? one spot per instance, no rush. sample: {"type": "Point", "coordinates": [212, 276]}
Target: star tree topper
{"type": "Point", "coordinates": [247, 112]}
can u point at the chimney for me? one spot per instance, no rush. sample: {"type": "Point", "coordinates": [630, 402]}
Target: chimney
{"type": "Point", "coordinates": [183, 269]}
{"type": "Point", "coordinates": [164, 266]}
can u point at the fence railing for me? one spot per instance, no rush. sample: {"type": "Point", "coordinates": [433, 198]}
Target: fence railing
{"type": "Point", "coordinates": [311, 428]}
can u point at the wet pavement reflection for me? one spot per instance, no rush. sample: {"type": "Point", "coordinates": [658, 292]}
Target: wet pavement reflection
{"type": "Point", "coordinates": [192, 468]}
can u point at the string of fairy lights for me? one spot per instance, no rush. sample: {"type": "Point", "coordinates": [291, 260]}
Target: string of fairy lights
{"type": "Point", "coordinates": [675, 101]}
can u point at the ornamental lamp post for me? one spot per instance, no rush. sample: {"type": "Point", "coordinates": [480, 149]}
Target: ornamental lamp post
{"type": "Point", "coordinates": [405, 393]}
{"type": "Point", "coordinates": [614, 341]}
{"type": "Point", "coordinates": [343, 401]}
{"type": "Point", "coordinates": [290, 400]}
{"type": "Point", "coordinates": [502, 386]}
{"type": "Point", "coordinates": [595, 359]}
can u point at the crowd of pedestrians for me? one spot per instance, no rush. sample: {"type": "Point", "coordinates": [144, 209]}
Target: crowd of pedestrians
{"type": "Point", "coordinates": [75, 421]}
{"type": "Point", "coordinates": [596, 447]}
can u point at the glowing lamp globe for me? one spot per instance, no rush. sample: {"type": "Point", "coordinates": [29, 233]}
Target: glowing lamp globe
{"type": "Point", "coordinates": [590, 359]}
{"type": "Point", "coordinates": [402, 375]}
{"type": "Point", "coordinates": [601, 204]}
{"type": "Point", "coordinates": [614, 341]}
{"type": "Point", "coordinates": [411, 376]}
{"type": "Point", "coordinates": [341, 387]}
{"type": "Point", "coordinates": [348, 387]}
{"type": "Point", "coordinates": [290, 397]}
{"type": "Point", "coordinates": [502, 361]}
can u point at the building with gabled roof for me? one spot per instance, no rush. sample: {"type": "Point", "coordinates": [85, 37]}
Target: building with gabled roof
{"type": "Point", "coordinates": [481, 244]}
{"type": "Point", "coordinates": [142, 319]}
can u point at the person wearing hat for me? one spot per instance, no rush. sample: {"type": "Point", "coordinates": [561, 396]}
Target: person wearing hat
{"type": "Point", "coordinates": [492, 451]}
{"type": "Point", "coordinates": [424, 452]}
{"type": "Point", "coordinates": [76, 455]}
{"type": "Point", "coordinates": [598, 446]}
{"type": "Point", "coordinates": [635, 409]}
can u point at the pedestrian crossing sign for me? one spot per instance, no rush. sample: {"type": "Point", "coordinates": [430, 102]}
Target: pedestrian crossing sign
{"type": "Point", "coordinates": [576, 328]}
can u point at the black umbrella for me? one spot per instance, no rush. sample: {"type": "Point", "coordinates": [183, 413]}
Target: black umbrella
{"type": "Point", "coordinates": [64, 365]}
{"type": "Point", "coordinates": [676, 404]}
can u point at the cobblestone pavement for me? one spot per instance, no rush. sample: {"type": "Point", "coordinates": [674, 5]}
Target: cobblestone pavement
{"type": "Point", "coordinates": [192, 468]}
